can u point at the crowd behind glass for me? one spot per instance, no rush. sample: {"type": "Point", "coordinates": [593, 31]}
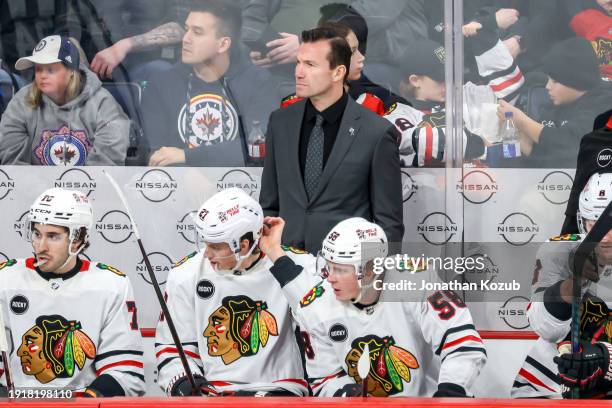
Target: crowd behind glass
{"type": "Point", "coordinates": [153, 85]}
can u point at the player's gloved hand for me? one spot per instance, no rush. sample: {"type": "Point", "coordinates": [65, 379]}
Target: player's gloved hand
{"type": "Point", "coordinates": [587, 369]}
{"type": "Point", "coordinates": [3, 391]}
{"type": "Point", "coordinates": [182, 387]}
{"type": "Point", "coordinates": [350, 390]}
{"type": "Point", "coordinates": [450, 390]}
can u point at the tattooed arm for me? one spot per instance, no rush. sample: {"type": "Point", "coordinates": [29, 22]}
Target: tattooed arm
{"type": "Point", "coordinates": [106, 60]}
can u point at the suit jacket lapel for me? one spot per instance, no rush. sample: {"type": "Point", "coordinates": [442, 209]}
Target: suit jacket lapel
{"type": "Point", "coordinates": [349, 126]}
{"type": "Point", "coordinates": [293, 147]}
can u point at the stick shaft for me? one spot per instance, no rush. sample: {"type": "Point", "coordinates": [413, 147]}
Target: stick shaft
{"type": "Point", "coordinates": [160, 297]}
{"type": "Point", "coordinates": [4, 352]}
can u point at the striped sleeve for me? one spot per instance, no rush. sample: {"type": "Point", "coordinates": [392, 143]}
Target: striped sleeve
{"type": "Point", "coordinates": [182, 309]}
{"type": "Point", "coordinates": [120, 352]}
{"type": "Point", "coordinates": [446, 323]}
{"type": "Point", "coordinates": [538, 377]}
{"type": "Point", "coordinates": [498, 68]}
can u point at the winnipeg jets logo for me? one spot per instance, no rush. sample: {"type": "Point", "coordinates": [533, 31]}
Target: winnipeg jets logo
{"type": "Point", "coordinates": [63, 147]}
{"type": "Point", "coordinates": [211, 120]}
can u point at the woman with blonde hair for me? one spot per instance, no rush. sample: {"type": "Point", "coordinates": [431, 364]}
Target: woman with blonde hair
{"type": "Point", "coordinates": [64, 117]}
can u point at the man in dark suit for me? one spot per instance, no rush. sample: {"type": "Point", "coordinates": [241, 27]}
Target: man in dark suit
{"type": "Point", "coordinates": [327, 158]}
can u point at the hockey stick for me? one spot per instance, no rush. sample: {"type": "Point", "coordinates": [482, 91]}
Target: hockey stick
{"type": "Point", "coordinates": [160, 297]}
{"type": "Point", "coordinates": [580, 256]}
{"type": "Point", "coordinates": [4, 350]}
{"type": "Point", "coordinates": [363, 368]}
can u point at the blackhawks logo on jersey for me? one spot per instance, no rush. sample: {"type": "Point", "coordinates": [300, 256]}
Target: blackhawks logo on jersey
{"type": "Point", "coordinates": [314, 293]}
{"type": "Point", "coordinates": [53, 347]}
{"type": "Point", "coordinates": [389, 364]}
{"type": "Point", "coordinates": [238, 328]}
{"type": "Point", "coordinates": [595, 320]}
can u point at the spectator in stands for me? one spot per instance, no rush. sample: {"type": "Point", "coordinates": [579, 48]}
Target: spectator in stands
{"type": "Point", "coordinates": [423, 125]}
{"type": "Point", "coordinates": [577, 94]}
{"type": "Point", "coordinates": [64, 117]}
{"type": "Point", "coordinates": [592, 20]}
{"type": "Point", "coordinates": [393, 27]}
{"type": "Point", "coordinates": [110, 32]}
{"type": "Point", "coordinates": [357, 36]}
{"type": "Point", "coordinates": [271, 29]}
{"type": "Point", "coordinates": [199, 112]}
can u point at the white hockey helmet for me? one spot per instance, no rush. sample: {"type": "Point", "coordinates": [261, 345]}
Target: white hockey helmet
{"type": "Point", "coordinates": [354, 241]}
{"type": "Point", "coordinates": [66, 208]}
{"type": "Point", "coordinates": [228, 216]}
{"type": "Point", "coordinates": [594, 198]}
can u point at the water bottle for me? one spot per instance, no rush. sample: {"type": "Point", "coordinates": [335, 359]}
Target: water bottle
{"type": "Point", "coordinates": [256, 142]}
{"type": "Point", "coordinates": [510, 140]}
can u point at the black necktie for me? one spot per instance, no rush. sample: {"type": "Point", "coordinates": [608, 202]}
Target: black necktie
{"type": "Point", "coordinates": [314, 158]}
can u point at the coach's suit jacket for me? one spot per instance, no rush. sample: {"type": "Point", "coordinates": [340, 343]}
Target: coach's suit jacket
{"type": "Point", "coordinates": [361, 178]}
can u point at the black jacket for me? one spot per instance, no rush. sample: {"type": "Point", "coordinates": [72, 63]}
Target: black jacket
{"type": "Point", "coordinates": [564, 126]}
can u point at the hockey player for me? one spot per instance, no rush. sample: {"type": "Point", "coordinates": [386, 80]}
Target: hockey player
{"type": "Point", "coordinates": [549, 312]}
{"type": "Point", "coordinates": [421, 348]}
{"type": "Point", "coordinates": [234, 323]}
{"type": "Point", "coordinates": [72, 322]}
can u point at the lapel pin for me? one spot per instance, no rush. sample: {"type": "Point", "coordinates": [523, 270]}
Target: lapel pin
{"type": "Point", "coordinates": [352, 131]}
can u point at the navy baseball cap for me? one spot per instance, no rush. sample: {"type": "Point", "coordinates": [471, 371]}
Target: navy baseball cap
{"type": "Point", "coordinates": [54, 48]}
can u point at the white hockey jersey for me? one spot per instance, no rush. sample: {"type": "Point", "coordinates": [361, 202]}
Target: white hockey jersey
{"type": "Point", "coordinates": [236, 330]}
{"type": "Point", "coordinates": [413, 346]}
{"type": "Point", "coordinates": [538, 375]}
{"type": "Point", "coordinates": [65, 332]}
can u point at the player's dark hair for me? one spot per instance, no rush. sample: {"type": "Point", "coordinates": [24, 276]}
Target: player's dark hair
{"type": "Point", "coordinates": [340, 51]}
{"type": "Point", "coordinates": [249, 237]}
{"type": "Point", "coordinates": [82, 236]}
{"type": "Point", "coordinates": [228, 16]}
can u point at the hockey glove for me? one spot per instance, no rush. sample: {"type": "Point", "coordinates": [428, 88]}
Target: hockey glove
{"type": "Point", "coordinates": [587, 369]}
{"type": "Point", "coordinates": [182, 387]}
{"type": "Point", "coordinates": [350, 390]}
{"type": "Point", "coordinates": [450, 390]}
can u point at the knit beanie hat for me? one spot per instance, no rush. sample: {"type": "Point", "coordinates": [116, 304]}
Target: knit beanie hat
{"type": "Point", "coordinates": [573, 63]}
